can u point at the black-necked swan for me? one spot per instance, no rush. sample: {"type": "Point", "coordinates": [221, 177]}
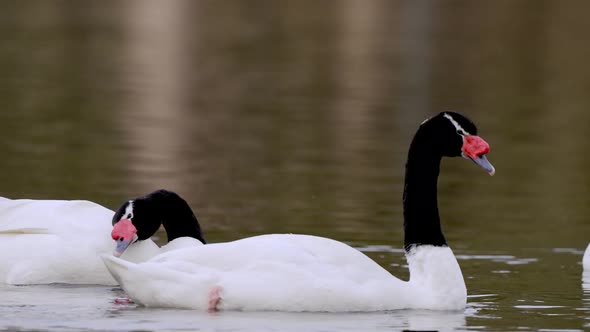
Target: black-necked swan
{"type": "Point", "coordinates": [60, 241]}
{"type": "Point", "coordinates": [288, 272]}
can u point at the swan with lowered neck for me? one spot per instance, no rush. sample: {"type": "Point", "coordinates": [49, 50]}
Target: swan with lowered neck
{"type": "Point", "coordinates": [60, 241]}
{"type": "Point", "coordinates": [307, 273]}
{"type": "Point", "coordinates": [137, 220]}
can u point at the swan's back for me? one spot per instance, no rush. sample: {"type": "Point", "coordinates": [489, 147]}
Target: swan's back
{"type": "Point", "coordinates": [53, 216]}
{"type": "Point", "coordinates": [281, 249]}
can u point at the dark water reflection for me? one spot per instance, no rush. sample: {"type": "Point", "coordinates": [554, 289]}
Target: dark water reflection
{"type": "Point", "coordinates": [296, 116]}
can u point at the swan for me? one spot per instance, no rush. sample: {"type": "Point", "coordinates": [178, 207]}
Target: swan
{"type": "Point", "coordinates": [286, 272]}
{"type": "Point", "coordinates": [60, 241]}
{"type": "Point", "coordinates": [586, 259]}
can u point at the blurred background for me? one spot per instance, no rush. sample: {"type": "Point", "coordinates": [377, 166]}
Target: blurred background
{"type": "Point", "coordinates": [296, 116]}
{"type": "Point", "coordinates": [263, 113]}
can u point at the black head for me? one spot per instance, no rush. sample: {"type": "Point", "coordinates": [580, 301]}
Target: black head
{"type": "Point", "coordinates": [453, 135]}
{"type": "Point", "coordinates": [140, 218]}
{"type": "Point", "coordinates": [447, 130]}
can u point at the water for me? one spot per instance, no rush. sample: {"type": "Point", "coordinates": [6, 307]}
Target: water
{"type": "Point", "coordinates": [296, 117]}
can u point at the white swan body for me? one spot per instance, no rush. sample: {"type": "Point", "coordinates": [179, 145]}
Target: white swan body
{"type": "Point", "coordinates": [586, 259]}
{"type": "Point", "coordinates": [290, 273]}
{"type": "Point", "coordinates": [59, 241]}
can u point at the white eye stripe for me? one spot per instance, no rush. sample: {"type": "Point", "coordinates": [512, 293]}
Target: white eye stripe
{"type": "Point", "coordinates": [457, 126]}
{"type": "Point", "coordinates": [128, 211]}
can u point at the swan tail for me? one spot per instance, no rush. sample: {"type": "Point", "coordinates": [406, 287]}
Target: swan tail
{"type": "Point", "coordinates": [116, 266]}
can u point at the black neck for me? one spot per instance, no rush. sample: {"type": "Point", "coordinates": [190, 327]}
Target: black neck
{"type": "Point", "coordinates": [182, 225]}
{"type": "Point", "coordinates": [175, 215]}
{"type": "Point", "coordinates": [421, 219]}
